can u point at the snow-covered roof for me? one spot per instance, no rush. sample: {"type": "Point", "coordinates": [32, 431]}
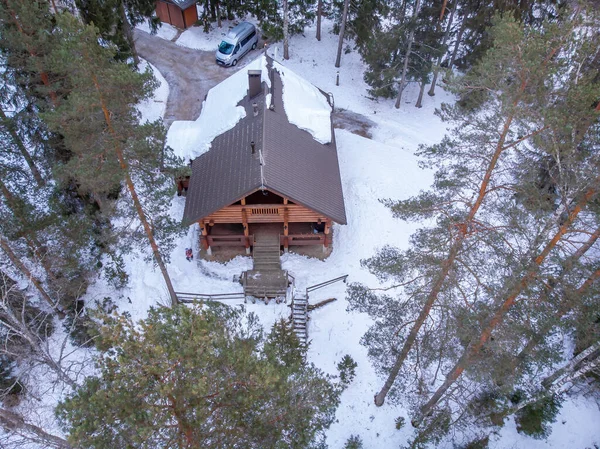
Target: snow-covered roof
{"type": "Point", "coordinates": [295, 152]}
{"type": "Point", "coordinates": [183, 4]}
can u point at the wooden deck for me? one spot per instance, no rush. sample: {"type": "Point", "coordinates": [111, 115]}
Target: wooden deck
{"type": "Point", "coordinates": [266, 279]}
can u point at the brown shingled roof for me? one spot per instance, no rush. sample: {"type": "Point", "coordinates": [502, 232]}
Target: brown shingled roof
{"type": "Point", "coordinates": [295, 164]}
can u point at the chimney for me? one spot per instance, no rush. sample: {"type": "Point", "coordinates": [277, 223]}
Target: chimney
{"type": "Point", "coordinates": [254, 81]}
{"type": "Point", "coordinates": [252, 146]}
{"type": "Point", "coordinates": [255, 109]}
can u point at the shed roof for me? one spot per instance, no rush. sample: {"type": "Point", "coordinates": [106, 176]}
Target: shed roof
{"type": "Point", "coordinates": [288, 161]}
{"type": "Point", "coordinates": [183, 4]}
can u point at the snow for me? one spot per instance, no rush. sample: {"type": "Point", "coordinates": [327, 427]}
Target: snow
{"type": "Point", "coordinates": [154, 108]}
{"type": "Point", "coordinates": [576, 426]}
{"type": "Point", "coordinates": [196, 38]}
{"type": "Point", "coordinates": [190, 139]}
{"type": "Point", "coordinates": [165, 31]}
{"type": "Point", "coordinates": [381, 167]}
{"type": "Point", "coordinates": [305, 106]}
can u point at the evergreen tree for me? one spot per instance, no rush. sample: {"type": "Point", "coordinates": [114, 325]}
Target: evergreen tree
{"type": "Point", "coordinates": [272, 13]}
{"type": "Point", "coordinates": [403, 50]}
{"type": "Point", "coordinates": [115, 19]}
{"type": "Point", "coordinates": [577, 186]}
{"type": "Point", "coordinates": [199, 377]}
{"type": "Point", "coordinates": [492, 219]}
{"type": "Point", "coordinates": [45, 223]}
{"type": "Point", "coordinates": [473, 36]}
{"type": "Point", "coordinates": [364, 17]}
{"type": "Point", "coordinates": [101, 128]}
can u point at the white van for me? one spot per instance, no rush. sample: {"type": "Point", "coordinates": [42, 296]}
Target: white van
{"type": "Point", "coordinates": [239, 41]}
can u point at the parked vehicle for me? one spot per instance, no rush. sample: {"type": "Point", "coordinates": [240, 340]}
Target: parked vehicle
{"type": "Point", "coordinates": [239, 41]}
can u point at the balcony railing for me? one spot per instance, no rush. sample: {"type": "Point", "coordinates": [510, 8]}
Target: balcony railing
{"type": "Point", "coordinates": [303, 239]}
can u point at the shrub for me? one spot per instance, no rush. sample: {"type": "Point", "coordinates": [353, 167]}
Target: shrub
{"type": "Point", "coordinates": [354, 442]}
{"type": "Point", "coordinates": [400, 421]}
{"type": "Point", "coordinates": [533, 419]}
{"type": "Point", "coordinates": [479, 443]}
{"type": "Point", "coordinates": [347, 369]}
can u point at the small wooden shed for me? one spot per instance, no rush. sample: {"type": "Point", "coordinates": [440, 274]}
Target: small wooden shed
{"type": "Point", "coordinates": [179, 13]}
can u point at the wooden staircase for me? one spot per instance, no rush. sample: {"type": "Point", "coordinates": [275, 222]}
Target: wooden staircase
{"type": "Point", "coordinates": [266, 253]}
{"type": "Point", "coordinates": [266, 279]}
{"type": "Point", "coordinates": [300, 318]}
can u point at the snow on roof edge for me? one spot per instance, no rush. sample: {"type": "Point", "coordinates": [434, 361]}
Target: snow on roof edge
{"type": "Point", "coordinates": [305, 105]}
{"type": "Point", "coordinates": [219, 113]}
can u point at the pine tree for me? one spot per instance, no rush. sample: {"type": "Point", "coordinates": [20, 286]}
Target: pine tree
{"type": "Point", "coordinates": [403, 50]}
{"type": "Point", "coordinates": [492, 220]}
{"type": "Point", "coordinates": [272, 15]}
{"type": "Point", "coordinates": [115, 19]}
{"type": "Point", "coordinates": [101, 128]}
{"type": "Point", "coordinates": [577, 186]}
{"type": "Point", "coordinates": [476, 17]}
{"type": "Point", "coordinates": [199, 377]}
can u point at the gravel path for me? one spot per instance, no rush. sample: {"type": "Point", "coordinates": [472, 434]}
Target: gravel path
{"type": "Point", "coordinates": [190, 74]}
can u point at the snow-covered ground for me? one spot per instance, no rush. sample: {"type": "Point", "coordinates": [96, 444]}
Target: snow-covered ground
{"type": "Point", "coordinates": [381, 167]}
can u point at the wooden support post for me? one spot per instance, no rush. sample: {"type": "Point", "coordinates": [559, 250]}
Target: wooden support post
{"type": "Point", "coordinates": [285, 200]}
{"type": "Point", "coordinates": [326, 239]}
{"type": "Point", "coordinates": [243, 201]}
{"type": "Point", "coordinates": [285, 227]}
{"type": "Point", "coordinates": [246, 230]}
{"type": "Point", "coordinates": [204, 230]}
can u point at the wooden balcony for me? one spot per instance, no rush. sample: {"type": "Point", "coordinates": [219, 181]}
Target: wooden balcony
{"type": "Point", "coordinates": [264, 213]}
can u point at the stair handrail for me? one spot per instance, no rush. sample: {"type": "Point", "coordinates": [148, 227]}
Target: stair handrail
{"type": "Point", "coordinates": [188, 298]}
{"type": "Point", "coordinates": [290, 293]}
{"type": "Point", "coordinates": [325, 284]}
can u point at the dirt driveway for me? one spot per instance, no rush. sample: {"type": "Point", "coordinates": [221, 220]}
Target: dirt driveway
{"type": "Point", "coordinates": [190, 74]}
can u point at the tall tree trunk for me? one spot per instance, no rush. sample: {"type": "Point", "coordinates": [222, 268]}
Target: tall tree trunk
{"type": "Point", "coordinates": [213, 10]}
{"type": "Point", "coordinates": [219, 24]}
{"type": "Point", "coordinates": [17, 424]}
{"type": "Point", "coordinates": [411, 38]}
{"type": "Point", "coordinates": [461, 30]}
{"type": "Point", "coordinates": [286, 30]}
{"type": "Point", "coordinates": [437, 67]}
{"type": "Point", "coordinates": [475, 345]}
{"type": "Point", "coordinates": [419, 103]}
{"type": "Point", "coordinates": [22, 148]}
{"type": "Point", "coordinates": [444, 4]}
{"type": "Point", "coordinates": [448, 263]}
{"type": "Point", "coordinates": [4, 244]}
{"type": "Point", "coordinates": [338, 59]}
{"type": "Point", "coordinates": [134, 196]}
{"type": "Point", "coordinates": [319, 14]}
{"type": "Point", "coordinates": [129, 33]}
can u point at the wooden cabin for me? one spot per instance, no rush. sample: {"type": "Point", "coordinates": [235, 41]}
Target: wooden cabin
{"type": "Point", "coordinates": [265, 172]}
{"type": "Point", "coordinates": [179, 13]}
